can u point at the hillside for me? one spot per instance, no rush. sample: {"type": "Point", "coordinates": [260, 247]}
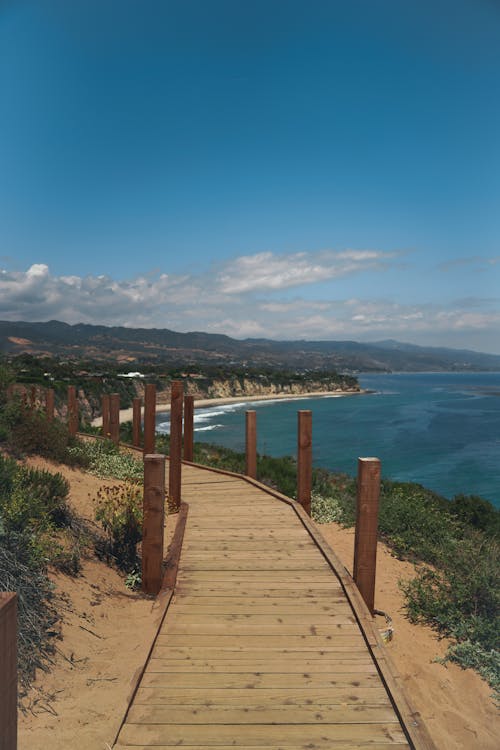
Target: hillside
{"type": "Point", "coordinates": [146, 345]}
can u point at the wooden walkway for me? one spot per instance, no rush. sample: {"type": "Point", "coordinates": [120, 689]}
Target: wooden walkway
{"type": "Point", "coordinates": [260, 646]}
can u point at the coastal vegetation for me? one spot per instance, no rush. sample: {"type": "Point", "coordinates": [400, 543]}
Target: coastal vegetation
{"type": "Point", "coordinates": [454, 544]}
{"type": "Point", "coordinates": [93, 379]}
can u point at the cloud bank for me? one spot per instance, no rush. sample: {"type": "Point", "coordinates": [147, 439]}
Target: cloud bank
{"type": "Point", "coordinates": [250, 297]}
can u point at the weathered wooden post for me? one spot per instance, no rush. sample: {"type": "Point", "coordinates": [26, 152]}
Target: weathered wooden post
{"type": "Point", "coordinates": [8, 671]}
{"type": "Point", "coordinates": [304, 459]}
{"type": "Point", "coordinates": [251, 444]}
{"type": "Point", "coordinates": [24, 399]}
{"type": "Point", "coordinates": [72, 410]}
{"type": "Point", "coordinates": [114, 417]}
{"type": "Point", "coordinates": [105, 415]}
{"type": "Point", "coordinates": [33, 397]}
{"type": "Point", "coordinates": [136, 422]}
{"type": "Point", "coordinates": [365, 538]}
{"type": "Point", "coordinates": [149, 436]}
{"type": "Point", "coordinates": [153, 522]}
{"type": "Point", "coordinates": [188, 428]}
{"type": "Point", "coordinates": [49, 404]}
{"type": "Point", "coordinates": [175, 463]}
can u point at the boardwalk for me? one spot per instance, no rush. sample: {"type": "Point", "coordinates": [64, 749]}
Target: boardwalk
{"type": "Point", "coordinates": [260, 647]}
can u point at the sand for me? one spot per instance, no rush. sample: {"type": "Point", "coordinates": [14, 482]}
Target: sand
{"type": "Point", "coordinates": [107, 633]}
{"type": "Point", "coordinates": [456, 704]}
{"type": "Point", "coordinates": [202, 403]}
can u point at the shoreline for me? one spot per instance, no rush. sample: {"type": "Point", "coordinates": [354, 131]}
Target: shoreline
{"type": "Point", "coordinates": [203, 403]}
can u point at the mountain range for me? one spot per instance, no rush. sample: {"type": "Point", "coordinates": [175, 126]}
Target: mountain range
{"type": "Point", "coordinates": [154, 345]}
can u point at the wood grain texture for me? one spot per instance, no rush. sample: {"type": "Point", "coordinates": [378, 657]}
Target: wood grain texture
{"type": "Point", "coordinates": [261, 646]}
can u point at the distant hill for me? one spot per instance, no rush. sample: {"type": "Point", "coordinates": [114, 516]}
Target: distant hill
{"type": "Point", "coordinates": [138, 345]}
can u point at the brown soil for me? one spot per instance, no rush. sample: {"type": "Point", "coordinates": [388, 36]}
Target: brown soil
{"type": "Point", "coordinates": [455, 704]}
{"type": "Point", "coordinates": [107, 632]}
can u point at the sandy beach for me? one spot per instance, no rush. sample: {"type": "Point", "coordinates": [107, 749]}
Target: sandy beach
{"type": "Point", "coordinates": [126, 414]}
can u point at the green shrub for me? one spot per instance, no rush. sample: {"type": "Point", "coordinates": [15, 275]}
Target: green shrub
{"type": "Point", "coordinates": [27, 432]}
{"type": "Point", "coordinates": [119, 510]}
{"type": "Point", "coordinates": [104, 459]}
{"type": "Point", "coordinates": [477, 512]}
{"type": "Point", "coordinates": [31, 498]}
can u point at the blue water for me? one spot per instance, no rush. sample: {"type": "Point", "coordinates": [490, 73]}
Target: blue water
{"type": "Point", "coordinates": [441, 430]}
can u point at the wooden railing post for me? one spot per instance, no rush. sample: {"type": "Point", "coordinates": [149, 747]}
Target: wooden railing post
{"type": "Point", "coordinates": [304, 459]}
{"type": "Point", "coordinates": [8, 671]}
{"type": "Point", "coordinates": [365, 538]}
{"type": "Point", "coordinates": [153, 522]}
{"type": "Point", "coordinates": [105, 415]}
{"type": "Point", "coordinates": [72, 410]}
{"type": "Point", "coordinates": [114, 417]}
{"type": "Point", "coordinates": [136, 422]}
{"type": "Point", "coordinates": [251, 444]}
{"type": "Point", "coordinates": [33, 397]}
{"type": "Point", "coordinates": [149, 436]}
{"type": "Point", "coordinates": [188, 428]}
{"type": "Point", "coordinates": [175, 463]}
{"type": "Point", "coordinates": [49, 404]}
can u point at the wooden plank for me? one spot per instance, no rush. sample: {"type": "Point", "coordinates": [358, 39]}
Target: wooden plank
{"type": "Point", "coordinates": [207, 735]}
{"type": "Point", "coordinates": [294, 665]}
{"type": "Point", "coordinates": [256, 565]}
{"type": "Point", "coordinates": [328, 744]}
{"type": "Point", "coordinates": [252, 681]}
{"type": "Point", "coordinates": [370, 696]}
{"type": "Point", "coordinates": [289, 715]}
{"type": "Point", "coordinates": [260, 648]}
{"type": "Point", "coordinates": [302, 642]}
{"type": "Point", "coordinates": [294, 608]}
{"type": "Point", "coordinates": [192, 654]}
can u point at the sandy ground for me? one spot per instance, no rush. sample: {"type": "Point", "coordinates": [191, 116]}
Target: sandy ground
{"type": "Point", "coordinates": [455, 704]}
{"type": "Point", "coordinates": [107, 633]}
{"type": "Point", "coordinates": [126, 414]}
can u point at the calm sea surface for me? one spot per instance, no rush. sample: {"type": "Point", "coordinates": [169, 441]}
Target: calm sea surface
{"type": "Point", "coordinates": [441, 430]}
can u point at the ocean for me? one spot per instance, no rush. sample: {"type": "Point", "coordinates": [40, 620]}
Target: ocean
{"type": "Point", "coordinates": [441, 430]}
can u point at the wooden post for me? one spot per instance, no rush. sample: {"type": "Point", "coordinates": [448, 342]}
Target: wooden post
{"type": "Point", "coordinates": [136, 422]}
{"type": "Point", "coordinates": [105, 415]}
{"type": "Point", "coordinates": [33, 396]}
{"type": "Point", "coordinates": [72, 410]}
{"type": "Point", "coordinates": [365, 538]}
{"type": "Point", "coordinates": [8, 671]}
{"type": "Point", "coordinates": [251, 444]}
{"type": "Point", "coordinates": [174, 473]}
{"type": "Point", "coordinates": [149, 436]}
{"type": "Point", "coordinates": [24, 399]}
{"type": "Point", "coordinates": [188, 427]}
{"type": "Point", "coordinates": [304, 459]}
{"type": "Point", "coordinates": [49, 404]}
{"type": "Point", "coordinates": [114, 417]}
{"type": "Point", "coordinates": [153, 522]}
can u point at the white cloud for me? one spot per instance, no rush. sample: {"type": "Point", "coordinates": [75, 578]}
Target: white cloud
{"type": "Point", "coordinates": [209, 303]}
{"type": "Point", "coordinates": [268, 271]}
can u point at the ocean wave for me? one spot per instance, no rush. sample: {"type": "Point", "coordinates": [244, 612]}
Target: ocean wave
{"type": "Point", "coordinates": [208, 428]}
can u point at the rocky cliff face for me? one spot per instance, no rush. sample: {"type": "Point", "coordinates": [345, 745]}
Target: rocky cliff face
{"type": "Point", "coordinates": [235, 387]}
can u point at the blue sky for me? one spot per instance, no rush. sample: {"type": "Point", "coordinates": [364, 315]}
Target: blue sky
{"type": "Point", "coordinates": [286, 169]}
